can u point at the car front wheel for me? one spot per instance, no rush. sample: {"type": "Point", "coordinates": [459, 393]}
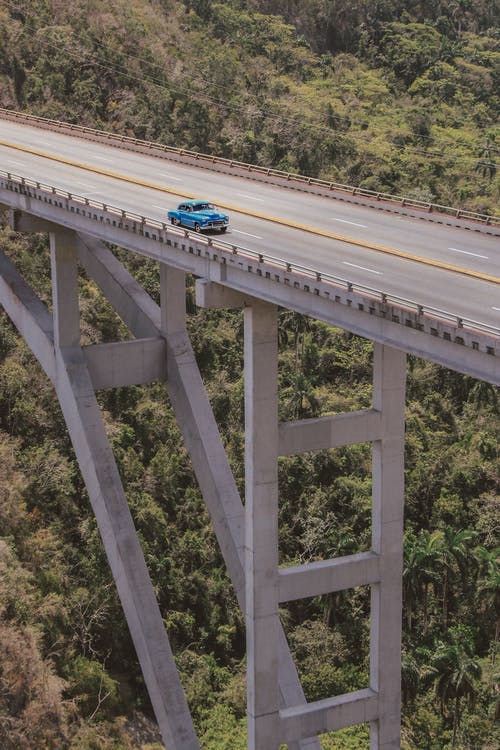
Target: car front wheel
{"type": "Point", "coordinates": [223, 229]}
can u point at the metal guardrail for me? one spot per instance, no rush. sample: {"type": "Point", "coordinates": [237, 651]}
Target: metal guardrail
{"type": "Point", "coordinates": [231, 250]}
{"type": "Point", "coordinates": [286, 177]}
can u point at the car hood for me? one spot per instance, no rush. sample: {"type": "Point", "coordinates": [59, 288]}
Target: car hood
{"type": "Point", "coordinates": [207, 214]}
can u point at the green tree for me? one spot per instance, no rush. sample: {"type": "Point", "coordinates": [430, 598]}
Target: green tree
{"type": "Point", "coordinates": [455, 556]}
{"type": "Point", "coordinates": [409, 49]}
{"type": "Point", "coordinates": [488, 589]}
{"type": "Point", "coordinates": [455, 671]}
{"type": "Point", "coordinates": [420, 569]}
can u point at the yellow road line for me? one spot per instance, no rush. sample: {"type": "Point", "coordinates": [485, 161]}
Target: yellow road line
{"type": "Point", "coordinates": [258, 215]}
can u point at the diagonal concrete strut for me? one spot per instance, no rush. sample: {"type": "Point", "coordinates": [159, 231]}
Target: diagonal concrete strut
{"type": "Point", "coordinates": [67, 369]}
{"type": "Point", "coordinates": [97, 464]}
{"type": "Point", "coordinates": [201, 435]}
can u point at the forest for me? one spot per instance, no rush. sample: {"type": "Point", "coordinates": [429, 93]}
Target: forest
{"type": "Point", "coordinates": [395, 96]}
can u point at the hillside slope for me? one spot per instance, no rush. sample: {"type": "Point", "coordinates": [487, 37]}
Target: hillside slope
{"type": "Point", "coordinates": [364, 92]}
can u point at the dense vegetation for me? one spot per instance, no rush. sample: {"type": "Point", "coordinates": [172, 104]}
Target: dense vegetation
{"type": "Point", "coordinates": [396, 96]}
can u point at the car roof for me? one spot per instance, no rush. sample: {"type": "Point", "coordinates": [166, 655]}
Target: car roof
{"type": "Point", "coordinates": [195, 203]}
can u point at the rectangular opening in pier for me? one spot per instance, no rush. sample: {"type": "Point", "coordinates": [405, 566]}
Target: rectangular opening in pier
{"type": "Point", "coordinates": [324, 633]}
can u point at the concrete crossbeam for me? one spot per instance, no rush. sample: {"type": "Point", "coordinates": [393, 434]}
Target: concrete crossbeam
{"type": "Point", "coordinates": [215, 296]}
{"type": "Point", "coordinates": [330, 431]}
{"type": "Point", "coordinates": [20, 221]}
{"type": "Point", "coordinates": [327, 576]}
{"type": "Point", "coordinates": [328, 715]}
{"type": "Point", "coordinates": [124, 363]}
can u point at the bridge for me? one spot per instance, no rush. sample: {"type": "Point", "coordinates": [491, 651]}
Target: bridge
{"type": "Point", "coordinates": [412, 277]}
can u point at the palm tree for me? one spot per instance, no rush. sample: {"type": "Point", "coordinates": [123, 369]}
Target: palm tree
{"type": "Point", "coordinates": [299, 325]}
{"type": "Point", "coordinates": [420, 570]}
{"type": "Point", "coordinates": [485, 395]}
{"type": "Point", "coordinates": [410, 678]}
{"type": "Point", "coordinates": [486, 164]}
{"type": "Point", "coordinates": [488, 589]}
{"type": "Point", "coordinates": [456, 557]}
{"type": "Point", "coordinates": [300, 399]}
{"type": "Point", "coordinates": [455, 671]}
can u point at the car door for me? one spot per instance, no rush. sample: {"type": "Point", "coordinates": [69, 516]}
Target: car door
{"type": "Point", "coordinates": [190, 218]}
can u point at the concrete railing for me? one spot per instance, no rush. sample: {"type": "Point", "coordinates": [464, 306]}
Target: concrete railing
{"type": "Point", "coordinates": [411, 313]}
{"type": "Point", "coordinates": [403, 204]}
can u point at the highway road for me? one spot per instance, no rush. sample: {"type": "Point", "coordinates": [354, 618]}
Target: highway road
{"type": "Point", "coordinates": [322, 243]}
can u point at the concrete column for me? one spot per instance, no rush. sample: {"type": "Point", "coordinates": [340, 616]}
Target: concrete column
{"type": "Point", "coordinates": [261, 524]}
{"type": "Point", "coordinates": [63, 258]}
{"type": "Point", "coordinates": [387, 541]}
{"type": "Point", "coordinates": [173, 299]}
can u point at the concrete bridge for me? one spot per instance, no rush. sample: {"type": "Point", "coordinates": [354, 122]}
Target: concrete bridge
{"type": "Point", "coordinates": [413, 278]}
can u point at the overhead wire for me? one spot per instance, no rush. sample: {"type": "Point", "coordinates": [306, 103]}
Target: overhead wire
{"type": "Point", "coordinates": [202, 97]}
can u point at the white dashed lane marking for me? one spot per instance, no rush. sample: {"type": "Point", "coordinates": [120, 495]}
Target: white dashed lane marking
{"type": "Point", "coordinates": [251, 197]}
{"type": "Point", "coordinates": [345, 221]}
{"type": "Point", "coordinates": [247, 234]}
{"type": "Point", "coordinates": [362, 268]}
{"type": "Point", "coordinates": [467, 252]}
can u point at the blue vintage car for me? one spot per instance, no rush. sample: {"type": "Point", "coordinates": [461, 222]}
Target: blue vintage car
{"type": "Point", "coordinates": [198, 215]}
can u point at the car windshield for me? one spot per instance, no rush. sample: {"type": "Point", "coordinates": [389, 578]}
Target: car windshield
{"type": "Point", "coordinates": [203, 206]}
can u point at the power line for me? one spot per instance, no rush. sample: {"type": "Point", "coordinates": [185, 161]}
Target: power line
{"type": "Point", "coordinates": [279, 119]}
{"type": "Point", "coordinates": [225, 106]}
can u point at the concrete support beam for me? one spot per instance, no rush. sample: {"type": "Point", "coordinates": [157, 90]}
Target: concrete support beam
{"type": "Point", "coordinates": [326, 576]}
{"type": "Point", "coordinates": [328, 715]}
{"type": "Point", "coordinates": [387, 542]}
{"type": "Point", "coordinates": [20, 221]}
{"type": "Point", "coordinates": [173, 300]}
{"type": "Point", "coordinates": [330, 431]}
{"type": "Point", "coordinates": [63, 261]}
{"type": "Point", "coordinates": [211, 295]}
{"type": "Point", "coordinates": [261, 524]}
{"type": "Point", "coordinates": [248, 537]}
{"type": "Point", "coordinates": [100, 473]}
{"type": "Point", "coordinates": [469, 351]}
{"type": "Point", "coordinates": [199, 430]}
{"type": "Point", "coordinates": [75, 391]}
{"type": "Point", "coordinates": [29, 315]}
{"type": "Point", "coordinates": [126, 362]}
